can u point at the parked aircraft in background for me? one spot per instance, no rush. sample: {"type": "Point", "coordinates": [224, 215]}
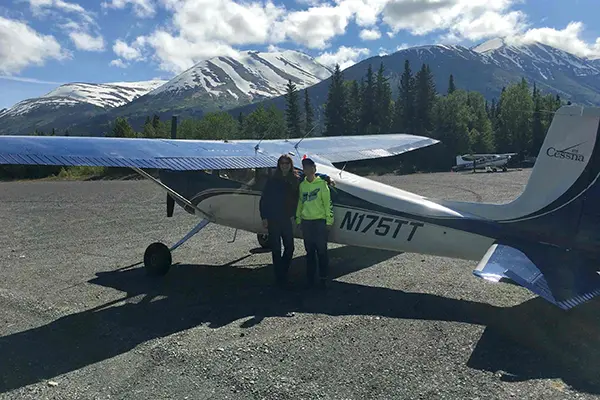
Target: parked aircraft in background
{"type": "Point", "coordinates": [491, 162]}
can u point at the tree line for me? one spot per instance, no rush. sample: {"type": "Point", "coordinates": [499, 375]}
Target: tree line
{"type": "Point", "coordinates": [464, 121]}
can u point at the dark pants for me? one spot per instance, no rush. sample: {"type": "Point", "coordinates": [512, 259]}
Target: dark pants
{"type": "Point", "coordinates": [315, 235]}
{"type": "Point", "coordinates": [281, 230]}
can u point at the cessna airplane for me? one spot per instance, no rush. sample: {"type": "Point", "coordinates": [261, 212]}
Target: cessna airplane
{"type": "Point", "coordinates": [547, 240]}
{"type": "Point", "coordinates": [487, 161]}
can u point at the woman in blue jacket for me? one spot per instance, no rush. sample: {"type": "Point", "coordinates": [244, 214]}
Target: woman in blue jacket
{"type": "Point", "coordinates": [277, 206]}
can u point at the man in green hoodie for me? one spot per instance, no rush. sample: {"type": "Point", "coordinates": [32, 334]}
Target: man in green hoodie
{"type": "Point", "coordinates": [314, 215]}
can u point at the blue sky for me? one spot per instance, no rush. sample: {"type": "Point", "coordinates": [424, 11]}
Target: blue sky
{"type": "Point", "coordinates": [44, 43]}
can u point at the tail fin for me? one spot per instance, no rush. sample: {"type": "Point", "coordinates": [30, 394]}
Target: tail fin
{"type": "Point", "coordinates": [563, 192]}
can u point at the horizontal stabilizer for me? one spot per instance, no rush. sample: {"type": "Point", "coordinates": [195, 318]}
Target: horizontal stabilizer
{"type": "Point", "coordinates": [565, 279]}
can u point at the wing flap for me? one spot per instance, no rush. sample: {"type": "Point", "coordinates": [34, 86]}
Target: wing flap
{"type": "Point", "coordinates": [352, 148]}
{"type": "Point", "coordinates": [563, 278]}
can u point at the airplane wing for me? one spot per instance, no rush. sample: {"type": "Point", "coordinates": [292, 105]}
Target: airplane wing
{"type": "Point", "coordinates": [180, 154]}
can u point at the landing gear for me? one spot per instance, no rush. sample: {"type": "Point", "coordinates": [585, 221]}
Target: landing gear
{"type": "Point", "coordinates": [263, 240]}
{"type": "Point", "coordinates": [157, 259]}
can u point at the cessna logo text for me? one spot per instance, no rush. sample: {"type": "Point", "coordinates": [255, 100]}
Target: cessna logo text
{"type": "Point", "coordinates": [568, 154]}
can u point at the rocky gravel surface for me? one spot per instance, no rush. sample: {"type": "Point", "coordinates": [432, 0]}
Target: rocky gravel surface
{"type": "Point", "coordinates": [80, 320]}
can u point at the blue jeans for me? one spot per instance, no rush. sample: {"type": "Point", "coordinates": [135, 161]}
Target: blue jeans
{"type": "Point", "coordinates": [315, 236]}
{"type": "Point", "coordinates": [281, 230]}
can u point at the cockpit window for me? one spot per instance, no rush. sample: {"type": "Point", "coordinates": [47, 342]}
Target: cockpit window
{"type": "Point", "coordinates": [251, 178]}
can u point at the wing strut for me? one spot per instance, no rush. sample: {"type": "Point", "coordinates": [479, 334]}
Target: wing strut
{"type": "Point", "coordinates": [207, 216]}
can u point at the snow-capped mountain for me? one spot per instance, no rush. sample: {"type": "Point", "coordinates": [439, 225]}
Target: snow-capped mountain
{"type": "Point", "coordinates": [225, 82]}
{"type": "Point", "coordinates": [102, 95]}
{"type": "Point", "coordinates": [251, 74]}
{"type": "Point", "coordinates": [485, 68]}
{"type": "Point", "coordinates": [536, 57]}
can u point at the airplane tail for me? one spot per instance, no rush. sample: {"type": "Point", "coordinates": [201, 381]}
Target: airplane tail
{"type": "Point", "coordinates": [562, 195]}
{"type": "Point", "coordinates": [552, 241]}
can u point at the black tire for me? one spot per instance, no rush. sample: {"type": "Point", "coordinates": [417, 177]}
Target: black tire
{"type": "Point", "coordinates": [157, 259]}
{"type": "Point", "coordinates": [263, 240]}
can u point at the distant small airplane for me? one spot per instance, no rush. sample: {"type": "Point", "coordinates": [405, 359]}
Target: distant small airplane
{"type": "Point", "coordinates": [489, 161]}
{"type": "Point", "coordinates": [547, 240]}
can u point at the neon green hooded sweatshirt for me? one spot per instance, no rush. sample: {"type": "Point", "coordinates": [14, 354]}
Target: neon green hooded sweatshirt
{"type": "Point", "coordinates": [315, 201]}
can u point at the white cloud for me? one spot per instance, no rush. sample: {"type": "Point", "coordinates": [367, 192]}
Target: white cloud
{"type": "Point", "coordinates": [29, 80]}
{"type": "Point", "coordinates": [344, 56]}
{"type": "Point", "coordinates": [21, 46]}
{"type": "Point", "coordinates": [314, 27]}
{"type": "Point", "coordinates": [118, 63]}
{"type": "Point", "coordinates": [568, 39]}
{"type": "Point", "coordinates": [43, 8]}
{"type": "Point", "coordinates": [201, 29]}
{"type": "Point", "coordinates": [83, 33]}
{"type": "Point", "coordinates": [426, 16]}
{"type": "Point", "coordinates": [370, 34]}
{"type": "Point", "coordinates": [130, 53]}
{"type": "Point", "coordinates": [141, 8]}
{"type": "Point", "coordinates": [87, 42]}
{"type": "Point", "coordinates": [489, 24]}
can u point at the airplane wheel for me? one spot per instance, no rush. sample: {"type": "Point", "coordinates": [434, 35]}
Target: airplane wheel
{"type": "Point", "coordinates": [263, 240]}
{"type": "Point", "coordinates": [157, 259]}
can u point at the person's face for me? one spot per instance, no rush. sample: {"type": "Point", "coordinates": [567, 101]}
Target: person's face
{"type": "Point", "coordinates": [285, 166]}
{"type": "Point", "coordinates": [309, 170]}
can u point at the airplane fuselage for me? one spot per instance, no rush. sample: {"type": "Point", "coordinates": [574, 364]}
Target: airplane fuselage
{"type": "Point", "coordinates": [366, 213]}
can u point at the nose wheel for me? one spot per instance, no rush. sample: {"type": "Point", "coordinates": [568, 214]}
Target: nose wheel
{"type": "Point", "coordinates": [157, 259]}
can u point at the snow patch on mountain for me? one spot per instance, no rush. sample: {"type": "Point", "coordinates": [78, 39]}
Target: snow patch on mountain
{"type": "Point", "coordinates": [103, 95]}
{"type": "Point", "coordinates": [251, 74]}
{"type": "Point", "coordinates": [543, 59]}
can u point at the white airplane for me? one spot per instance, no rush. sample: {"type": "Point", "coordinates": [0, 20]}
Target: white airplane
{"type": "Point", "coordinates": [547, 240]}
{"type": "Point", "coordinates": [488, 161]}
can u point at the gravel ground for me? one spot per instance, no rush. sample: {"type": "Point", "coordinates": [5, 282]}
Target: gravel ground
{"type": "Point", "coordinates": [78, 321]}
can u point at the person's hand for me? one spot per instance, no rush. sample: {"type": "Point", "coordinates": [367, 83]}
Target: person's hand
{"type": "Point", "coordinates": [331, 182]}
{"type": "Point", "coordinates": [265, 223]}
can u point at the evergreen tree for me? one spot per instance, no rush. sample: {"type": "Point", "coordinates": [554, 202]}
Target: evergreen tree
{"type": "Point", "coordinates": [424, 95]}
{"type": "Point", "coordinates": [537, 127]}
{"type": "Point", "coordinates": [383, 102]}
{"type": "Point", "coordinates": [308, 113]}
{"type": "Point", "coordinates": [292, 111]}
{"type": "Point", "coordinates": [451, 86]}
{"type": "Point", "coordinates": [354, 107]}
{"type": "Point", "coordinates": [404, 110]}
{"type": "Point", "coordinates": [123, 129]}
{"type": "Point", "coordinates": [156, 122]}
{"type": "Point", "coordinates": [148, 130]}
{"type": "Point", "coordinates": [368, 123]}
{"type": "Point", "coordinates": [336, 110]}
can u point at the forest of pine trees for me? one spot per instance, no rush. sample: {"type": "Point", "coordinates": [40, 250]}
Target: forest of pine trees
{"type": "Point", "coordinates": [462, 120]}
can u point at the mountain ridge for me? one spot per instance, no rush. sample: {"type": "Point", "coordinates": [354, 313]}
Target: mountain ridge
{"type": "Point", "coordinates": [239, 84]}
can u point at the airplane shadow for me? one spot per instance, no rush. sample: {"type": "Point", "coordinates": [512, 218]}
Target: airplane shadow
{"type": "Point", "coordinates": [528, 341]}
